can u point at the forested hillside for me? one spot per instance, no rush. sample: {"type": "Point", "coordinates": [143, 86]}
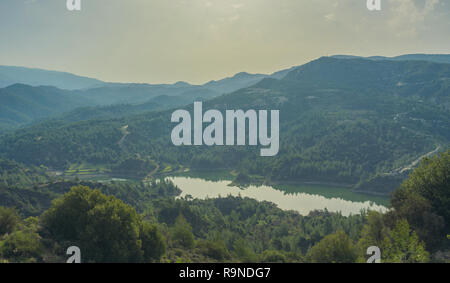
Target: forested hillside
{"type": "Point", "coordinates": [135, 222]}
{"type": "Point", "coordinates": [22, 104]}
{"type": "Point", "coordinates": [33, 95]}
{"type": "Point", "coordinates": [339, 122]}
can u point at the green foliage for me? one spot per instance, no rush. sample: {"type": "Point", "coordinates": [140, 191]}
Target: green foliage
{"type": "Point", "coordinates": [21, 246]}
{"type": "Point", "coordinates": [8, 220]}
{"type": "Point", "coordinates": [153, 243]}
{"type": "Point", "coordinates": [339, 124]}
{"type": "Point", "coordinates": [431, 180]}
{"type": "Point", "coordinates": [273, 256]}
{"type": "Point", "coordinates": [397, 242]}
{"type": "Point", "coordinates": [403, 245]}
{"type": "Point", "coordinates": [16, 175]}
{"type": "Point", "coordinates": [134, 167]}
{"type": "Point", "coordinates": [356, 130]}
{"type": "Point", "coordinates": [374, 232]}
{"type": "Point", "coordinates": [336, 248]}
{"type": "Point", "coordinates": [182, 233]}
{"type": "Point", "coordinates": [424, 199]}
{"type": "Point", "coordinates": [33, 201]}
{"type": "Point", "coordinates": [106, 229]}
{"type": "Point", "coordinates": [215, 249]}
{"type": "Point", "coordinates": [244, 252]}
{"type": "Point", "coordinates": [22, 104]}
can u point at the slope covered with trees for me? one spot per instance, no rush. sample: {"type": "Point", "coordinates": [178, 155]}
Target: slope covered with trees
{"type": "Point", "coordinates": [140, 223]}
{"type": "Point", "coordinates": [353, 121]}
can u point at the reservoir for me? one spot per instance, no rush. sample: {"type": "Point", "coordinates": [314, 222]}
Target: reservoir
{"type": "Point", "coordinates": [300, 198]}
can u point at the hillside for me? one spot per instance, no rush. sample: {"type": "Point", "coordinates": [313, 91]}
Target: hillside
{"type": "Point", "coordinates": [339, 123]}
{"type": "Point", "coordinates": [21, 104]}
{"type": "Point", "coordinates": [39, 95]}
{"type": "Point", "coordinates": [436, 58]}
{"type": "Point", "coordinates": [10, 75]}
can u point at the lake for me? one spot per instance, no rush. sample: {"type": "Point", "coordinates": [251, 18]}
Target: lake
{"type": "Point", "coordinates": [301, 198]}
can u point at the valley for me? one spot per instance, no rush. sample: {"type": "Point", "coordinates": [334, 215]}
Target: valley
{"type": "Point", "coordinates": [340, 130]}
{"type": "Point", "coordinates": [352, 135]}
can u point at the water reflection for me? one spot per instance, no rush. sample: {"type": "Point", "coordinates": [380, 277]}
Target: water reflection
{"type": "Point", "coordinates": [301, 202]}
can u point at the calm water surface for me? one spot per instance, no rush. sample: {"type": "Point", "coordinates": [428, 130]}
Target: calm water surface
{"type": "Point", "coordinates": [301, 198]}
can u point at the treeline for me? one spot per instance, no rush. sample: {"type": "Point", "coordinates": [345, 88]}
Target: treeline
{"type": "Point", "coordinates": [145, 223]}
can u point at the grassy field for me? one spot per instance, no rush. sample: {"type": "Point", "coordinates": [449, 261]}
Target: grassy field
{"type": "Point", "coordinates": [84, 169]}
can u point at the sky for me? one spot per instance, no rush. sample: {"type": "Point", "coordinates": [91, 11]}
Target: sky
{"type": "Point", "coordinates": [165, 41]}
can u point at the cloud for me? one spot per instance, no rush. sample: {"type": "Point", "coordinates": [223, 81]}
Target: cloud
{"type": "Point", "coordinates": [234, 18]}
{"type": "Point", "coordinates": [329, 17]}
{"type": "Point", "coordinates": [407, 17]}
{"type": "Point", "coordinates": [237, 6]}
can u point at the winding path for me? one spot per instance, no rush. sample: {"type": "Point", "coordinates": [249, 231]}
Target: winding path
{"type": "Point", "coordinates": [415, 162]}
{"type": "Point", "coordinates": [125, 133]}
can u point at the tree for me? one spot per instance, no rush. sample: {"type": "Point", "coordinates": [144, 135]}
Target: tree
{"type": "Point", "coordinates": [153, 244]}
{"type": "Point", "coordinates": [215, 249]}
{"type": "Point", "coordinates": [105, 228]}
{"type": "Point", "coordinates": [273, 256]}
{"type": "Point", "coordinates": [244, 252]}
{"type": "Point", "coordinates": [22, 246]}
{"type": "Point", "coordinates": [403, 245]}
{"type": "Point", "coordinates": [8, 220]}
{"type": "Point", "coordinates": [182, 233]}
{"type": "Point", "coordinates": [374, 232]}
{"type": "Point", "coordinates": [335, 248]}
{"type": "Point", "coordinates": [112, 233]}
{"type": "Point", "coordinates": [424, 199]}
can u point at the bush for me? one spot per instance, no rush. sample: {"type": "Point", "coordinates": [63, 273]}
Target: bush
{"type": "Point", "coordinates": [273, 256]}
{"type": "Point", "coordinates": [105, 228]}
{"type": "Point", "coordinates": [8, 220]}
{"type": "Point", "coordinates": [214, 249]}
{"type": "Point", "coordinates": [21, 246]}
{"type": "Point", "coordinates": [335, 248]}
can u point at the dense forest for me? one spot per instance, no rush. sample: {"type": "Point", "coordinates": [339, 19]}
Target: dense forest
{"type": "Point", "coordinates": [352, 129]}
{"type": "Point", "coordinates": [147, 222]}
{"type": "Point", "coordinates": [387, 134]}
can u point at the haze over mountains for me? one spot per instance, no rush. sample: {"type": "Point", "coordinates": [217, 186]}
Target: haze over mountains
{"type": "Point", "coordinates": [27, 94]}
{"type": "Point", "coordinates": [354, 121]}
{"type": "Point", "coordinates": [21, 105]}
{"type": "Point", "coordinates": [37, 77]}
{"type": "Point", "coordinates": [437, 58]}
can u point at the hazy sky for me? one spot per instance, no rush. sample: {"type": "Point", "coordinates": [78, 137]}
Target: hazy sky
{"type": "Point", "coordinates": [159, 41]}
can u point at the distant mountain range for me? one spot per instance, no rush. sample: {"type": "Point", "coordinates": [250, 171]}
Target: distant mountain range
{"type": "Point", "coordinates": [22, 105]}
{"type": "Point", "coordinates": [29, 95]}
{"type": "Point", "coordinates": [437, 58]}
{"type": "Point", "coordinates": [10, 75]}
